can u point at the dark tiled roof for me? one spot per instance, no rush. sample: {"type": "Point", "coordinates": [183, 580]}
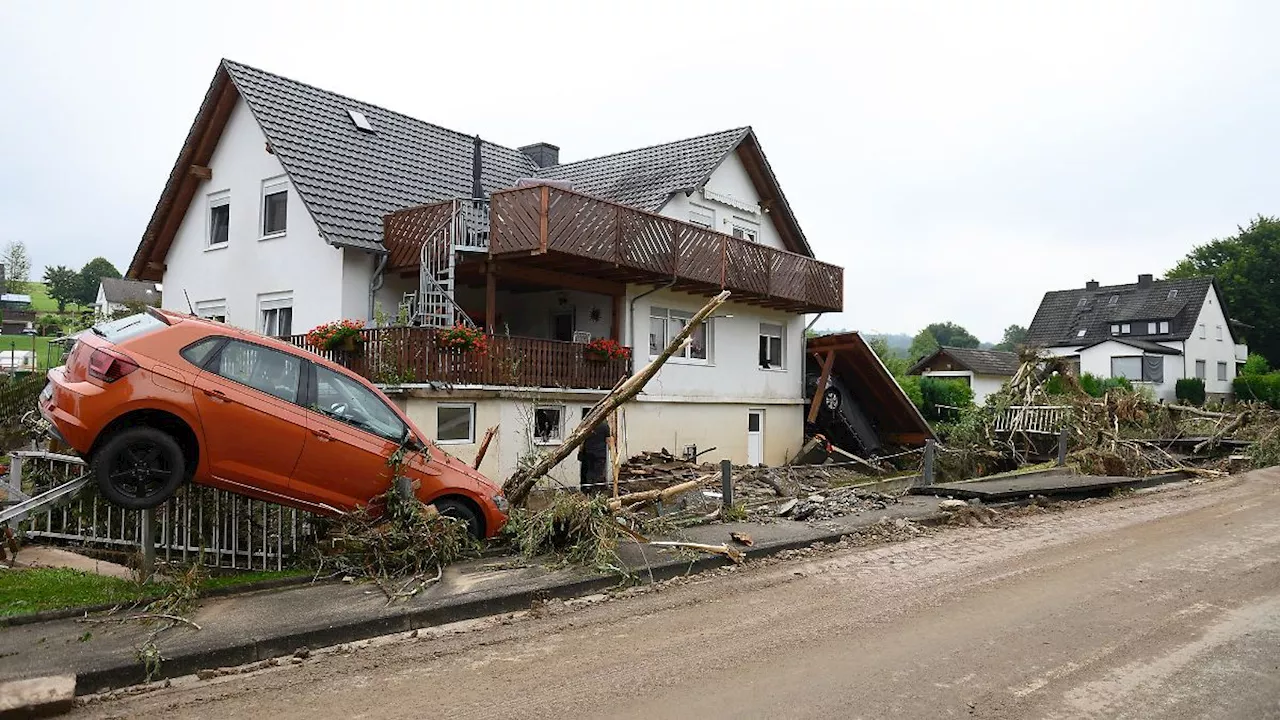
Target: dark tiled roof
{"type": "Point", "coordinates": [1064, 313]}
{"type": "Point", "coordinates": [644, 178]}
{"type": "Point", "coordinates": [980, 362]}
{"type": "Point", "coordinates": [349, 178]}
{"type": "Point", "coordinates": [130, 291]}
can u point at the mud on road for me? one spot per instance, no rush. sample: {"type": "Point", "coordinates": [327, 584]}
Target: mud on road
{"type": "Point", "coordinates": [1160, 604]}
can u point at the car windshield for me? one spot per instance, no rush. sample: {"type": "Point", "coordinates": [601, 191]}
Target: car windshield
{"type": "Point", "coordinates": [117, 331]}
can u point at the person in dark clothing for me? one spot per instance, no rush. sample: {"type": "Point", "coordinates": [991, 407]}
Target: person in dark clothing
{"type": "Point", "coordinates": [594, 456]}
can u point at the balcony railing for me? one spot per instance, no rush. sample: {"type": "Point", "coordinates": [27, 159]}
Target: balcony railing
{"type": "Point", "coordinates": [400, 355]}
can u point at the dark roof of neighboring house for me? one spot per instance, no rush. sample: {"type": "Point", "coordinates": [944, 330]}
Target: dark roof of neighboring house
{"type": "Point", "coordinates": [1064, 313]}
{"type": "Point", "coordinates": [979, 362]}
{"type": "Point", "coordinates": [349, 178]}
{"type": "Point", "coordinates": [121, 291]}
{"type": "Point", "coordinates": [1143, 345]}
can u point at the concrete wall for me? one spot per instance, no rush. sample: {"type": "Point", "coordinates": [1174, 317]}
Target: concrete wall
{"type": "Point", "coordinates": [729, 182]}
{"type": "Point", "coordinates": [644, 426]}
{"type": "Point", "coordinates": [299, 261]}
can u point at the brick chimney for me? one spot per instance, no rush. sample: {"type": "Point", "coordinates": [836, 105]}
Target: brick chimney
{"type": "Point", "coordinates": [1091, 285]}
{"type": "Point", "coordinates": [542, 154]}
{"type": "Point", "coordinates": [1144, 280]}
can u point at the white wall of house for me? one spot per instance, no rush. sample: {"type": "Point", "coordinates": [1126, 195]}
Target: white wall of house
{"type": "Point", "coordinates": [730, 198]}
{"type": "Point", "coordinates": [357, 271]}
{"type": "Point", "coordinates": [1215, 347]}
{"type": "Point", "coordinates": [981, 385]}
{"type": "Point", "coordinates": [732, 372]}
{"type": "Point", "coordinates": [299, 262]}
{"type": "Point", "coordinates": [1097, 360]}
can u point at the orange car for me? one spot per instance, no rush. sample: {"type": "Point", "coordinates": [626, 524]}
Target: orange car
{"type": "Point", "coordinates": [162, 398]}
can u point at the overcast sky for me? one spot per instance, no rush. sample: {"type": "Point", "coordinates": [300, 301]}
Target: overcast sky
{"type": "Point", "coordinates": [958, 159]}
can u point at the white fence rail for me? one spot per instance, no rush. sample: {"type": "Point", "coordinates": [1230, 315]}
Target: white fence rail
{"type": "Point", "coordinates": [198, 524]}
{"type": "Point", "coordinates": [1035, 419]}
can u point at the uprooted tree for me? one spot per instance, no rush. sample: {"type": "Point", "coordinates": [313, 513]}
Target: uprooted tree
{"type": "Point", "coordinates": [518, 485]}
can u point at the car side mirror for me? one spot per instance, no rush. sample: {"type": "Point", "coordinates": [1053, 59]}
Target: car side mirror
{"type": "Point", "coordinates": [409, 442]}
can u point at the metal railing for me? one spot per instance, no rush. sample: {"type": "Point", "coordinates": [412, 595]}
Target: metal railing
{"type": "Point", "coordinates": [1037, 419]}
{"type": "Point", "coordinates": [198, 524]}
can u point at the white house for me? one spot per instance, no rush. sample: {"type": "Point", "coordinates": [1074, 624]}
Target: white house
{"type": "Point", "coordinates": [115, 295]}
{"type": "Point", "coordinates": [984, 371]}
{"type": "Point", "coordinates": [1153, 333]}
{"type": "Point", "coordinates": [290, 206]}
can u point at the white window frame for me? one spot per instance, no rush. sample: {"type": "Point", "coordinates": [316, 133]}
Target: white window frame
{"type": "Point", "coordinates": [765, 331]}
{"type": "Point", "coordinates": [1115, 329]}
{"type": "Point", "coordinates": [1202, 371]}
{"type": "Point", "coordinates": [1219, 333]}
{"type": "Point", "coordinates": [271, 186]}
{"type": "Point", "coordinates": [272, 303]}
{"type": "Point", "coordinates": [1126, 329]}
{"type": "Point", "coordinates": [1114, 358]}
{"type": "Point", "coordinates": [1202, 333]}
{"type": "Point", "coordinates": [533, 427]}
{"type": "Point", "coordinates": [1222, 371]}
{"type": "Point", "coordinates": [1164, 327]}
{"type": "Point", "coordinates": [1082, 332]}
{"type": "Point", "coordinates": [750, 234]}
{"type": "Point", "coordinates": [212, 309]}
{"type": "Point", "coordinates": [471, 423]}
{"type": "Point", "coordinates": [221, 198]}
{"type": "Point", "coordinates": [685, 355]}
{"type": "Point", "coordinates": [1152, 328]}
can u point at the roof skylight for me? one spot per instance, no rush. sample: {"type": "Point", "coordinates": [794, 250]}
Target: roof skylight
{"type": "Point", "coordinates": [360, 120]}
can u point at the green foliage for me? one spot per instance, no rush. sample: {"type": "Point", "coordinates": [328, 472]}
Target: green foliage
{"type": "Point", "coordinates": [1014, 336]}
{"type": "Point", "coordinates": [922, 345]}
{"type": "Point", "coordinates": [1255, 365]}
{"type": "Point", "coordinates": [910, 385]}
{"type": "Point", "coordinates": [1097, 387]}
{"type": "Point", "coordinates": [62, 284]}
{"type": "Point", "coordinates": [17, 266]}
{"type": "Point", "coordinates": [91, 277]}
{"type": "Point", "coordinates": [895, 363]}
{"type": "Point", "coordinates": [940, 396]}
{"type": "Point", "coordinates": [574, 529]}
{"type": "Point", "coordinates": [1261, 388]}
{"type": "Point", "coordinates": [1245, 266]}
{"type": "Point", "coordinates": [48, 325]}
{"type": "Point", "coordinates": [1190, 390]}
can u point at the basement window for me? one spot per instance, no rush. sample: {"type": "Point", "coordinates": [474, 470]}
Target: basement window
{"type": "Point", "coordinates": [455, 423]}
{"type": "Point", "coordinates": [548, 425]}
{"type": "Point", "coordinates": [360, 120]}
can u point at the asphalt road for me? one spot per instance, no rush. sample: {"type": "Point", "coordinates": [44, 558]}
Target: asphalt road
{"type": "Point", "coordinates": [1161, 604]}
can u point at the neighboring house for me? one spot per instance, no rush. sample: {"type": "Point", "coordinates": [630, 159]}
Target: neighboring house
{"type": "Point", "coordinates": [290, 206]}
{"type": "Point", "coordinates": [1153, 333]}
{"type": "Point", "coordinates": [15, 313]}
{"type": "Point", "coordinates": [984, 371]}
{"type": "Point", "coordinates": [115, 295]}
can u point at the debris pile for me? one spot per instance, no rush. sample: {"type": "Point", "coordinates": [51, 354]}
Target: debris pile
{"type": "Point", "coordinates": [834, 505]}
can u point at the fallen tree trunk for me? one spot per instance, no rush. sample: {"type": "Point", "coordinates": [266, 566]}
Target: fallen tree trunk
{"type": "Point", "coordinates": [1199, 412]}
{"type": "Point", "coordinates": [1231, 427]}
{"type": "Point", "coordinates": [518, 485]}
{"type": "Point", "coordinates": [731, 553]}
{"type": "Point", "coordinates": [650, 495]}
{"type": "Point", "coordinates": [484, 446]}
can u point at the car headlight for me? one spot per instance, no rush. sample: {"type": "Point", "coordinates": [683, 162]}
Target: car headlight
{"type": "Point", "coordinates": [502, 503]}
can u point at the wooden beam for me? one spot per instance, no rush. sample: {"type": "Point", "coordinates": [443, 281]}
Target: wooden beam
{"type": "Point", "coordinates": [558, 279]}
{"type": "Point", "coordinates": [490, 298]}
{"type": "Point", "coordinates": [543, 213]}
{"type": "Point", "coordinates": [204, 172]}
{"type": "Point", "coordinates": [822, 386]}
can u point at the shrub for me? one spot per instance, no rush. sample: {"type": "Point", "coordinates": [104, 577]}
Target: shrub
{"type": "Point", "coordinates": [1255, 365]}
{"type": "Point", "coordinates": [48, 325]}
{"type": "Point", "coordinates": [1263, 388]}
{"type": "Point", "coordinates": [941, 395]}
{"type": "Point", "coordinates": [910, 385]}
{"type": "Point", "coordinates": [1190, 390]}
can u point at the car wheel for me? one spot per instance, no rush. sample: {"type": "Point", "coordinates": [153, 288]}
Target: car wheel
{"type": "Point", "coordinates": [139, 468]}
{"type": "Point", "coordinates": [831, 398]}
{"type": "Point", "coordinates": [462, 511]}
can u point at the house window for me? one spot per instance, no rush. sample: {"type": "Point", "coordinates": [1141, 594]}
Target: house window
{"type": "Point", "coordinates": [1152, 328]}
{"type": "Point", "coordinates": [1219, 333]}
{"type": "Point", "coordinates": [1083, 302]}
{"type": "Point", "coordinates": [275, 206]}
{"type": "Point", "coordinates": [548, 425]}
{"type": "Point", "coordinates": [455, 423]}
{"type": "Point", "coordinates": [1200, 369]}
{"type": "Point", "coordinates": [772, 344]}
{"type": "Point", "coordinates": [1082, 332]}
{"type": "Point", "coordinates": [744, 233]}
{"type": "Point", "coordinates": [1201, 331]}
{"type": "Point", "coordinates": [1141, 368]}
{"type": "Point", "coordinates": [219, 219]}
{"type": "Point", "coordinates": [1173, 293]}
{"type": "Point", "coordinates": [665, 324]}
{"type": "Point", "coordinates": [1115, 299]}
{"type": "Point", "coordinates": [212, 310]}
{"type": "Point", "coordinates": [1222, 371]}
{"type": "Point", "coordinates": [275, 313]}
{"type": "Point", "coordinates": [1164, 327]}
{"type": "Point", "coordinates": [1115, 329]}
{"type": "Point", "coordinates": [1125, 328]}
{"type": "Point", "coordinates": [702, 217]}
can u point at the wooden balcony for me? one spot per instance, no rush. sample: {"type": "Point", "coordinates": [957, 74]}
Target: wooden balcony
{"type": "Point", "coordinates": [565, 231]}
{"type": "Point", "coordinates": [401, 355]}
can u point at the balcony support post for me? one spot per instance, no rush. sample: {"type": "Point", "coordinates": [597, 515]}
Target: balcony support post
{"type": "Point", "coordinates": [490, 298]}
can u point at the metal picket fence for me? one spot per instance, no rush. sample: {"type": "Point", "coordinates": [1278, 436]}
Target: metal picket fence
{"type": "Point", "coordinates": [198, 524]}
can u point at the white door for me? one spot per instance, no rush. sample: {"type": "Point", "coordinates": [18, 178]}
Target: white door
{"type": "Point", "coordinates": [755, 437]}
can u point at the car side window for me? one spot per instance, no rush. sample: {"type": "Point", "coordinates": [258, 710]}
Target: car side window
{"type": "Point", "coordinates": [271, 371]}
{"type": "Point", "coordinates": [197, 353]}
{"type": "Point", "coordinates": [346, 400]}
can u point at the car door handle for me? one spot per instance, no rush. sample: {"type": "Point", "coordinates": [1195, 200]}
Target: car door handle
{"type": "Point", "coordinates": [217, 395]}
{"type": "Point", "coordinates": [322, 434]}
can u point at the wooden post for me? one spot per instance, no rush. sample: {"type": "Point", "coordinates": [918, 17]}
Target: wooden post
{"type": "Point", "coordinates": [822, 386]}
{"type": "Point", "coordinates": [930, 450]}
{"type": "Point", "coordinates": [1062, 447]}
{"type": "Point", "coordinates": [619, 302]}
{"type": "Point", "coordinates": [726, 485]}
{"type": "Point", "coordinates": [490, 299]}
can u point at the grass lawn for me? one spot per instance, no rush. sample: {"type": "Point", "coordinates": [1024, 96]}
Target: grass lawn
{"type": "Point", "coordinates": [42, 303]}
{"type": "Point", "coordinates": [27, 591]}
{"type": "Point", "coordinates": [45, 357]}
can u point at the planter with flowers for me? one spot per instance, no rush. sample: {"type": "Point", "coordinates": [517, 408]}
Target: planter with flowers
{"type": "Point", "coordinates": [605, 349]}
{"type": "Point", "coordinates": [338, 335]}
{"type": "Point", "coordinates": [463, 339]}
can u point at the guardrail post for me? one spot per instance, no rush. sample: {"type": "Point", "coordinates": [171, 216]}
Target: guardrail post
{"type": "Point", "coordinates": [726, 485]}
{"type": "Point", "coordinates": [1062, 447]}
{"type": "Point", "coordinates": [930, 453]}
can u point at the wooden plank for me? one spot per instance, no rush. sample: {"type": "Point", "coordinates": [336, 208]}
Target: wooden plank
{"type": "Point", "coordinates": [822, 386]}
{"type": "Point", "coordinates": [491, 299]}
{"type": "Point", "coordinates": [543, 217]}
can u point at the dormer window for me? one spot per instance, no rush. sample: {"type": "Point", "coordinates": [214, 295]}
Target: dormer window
{"type": "Point", "coordinates": [1115, 329]}
{"type": "Point", "coordinates": [1164, 327]}
{"type": "Point", "coordinates": [1115, 299]}
{"type": "Point", "coordinates": [1173, 293]}
{"type": "Point", "coordinates": [1120, 329]}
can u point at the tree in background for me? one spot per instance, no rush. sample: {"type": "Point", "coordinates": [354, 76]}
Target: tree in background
{"type": "Point", "coordinates": [91, 277]}
{"type": "Point", "coordinates": [1245, 266]}
{"type": "Point", "coordinates": [949, 334]}
{"type": "Point", "coordinates": [17, 265]}
{"type": "Point", "coordinates": [63, 285]}
{"type": "Point", "coordinates": [922, 344]}
{"type": "Point", "coordinates": [895, 363]}
{"type": "Point", "coordinates": [1014, 336]}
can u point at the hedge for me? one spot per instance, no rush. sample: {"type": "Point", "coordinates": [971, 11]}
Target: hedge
{"type": "Point", "coordinates": [1190, 390]}
{"type": "Point", "coordinates": [1259, 387]}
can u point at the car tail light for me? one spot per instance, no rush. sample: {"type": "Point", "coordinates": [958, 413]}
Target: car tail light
{"type": "Point", "coordinates": [109, 367]}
